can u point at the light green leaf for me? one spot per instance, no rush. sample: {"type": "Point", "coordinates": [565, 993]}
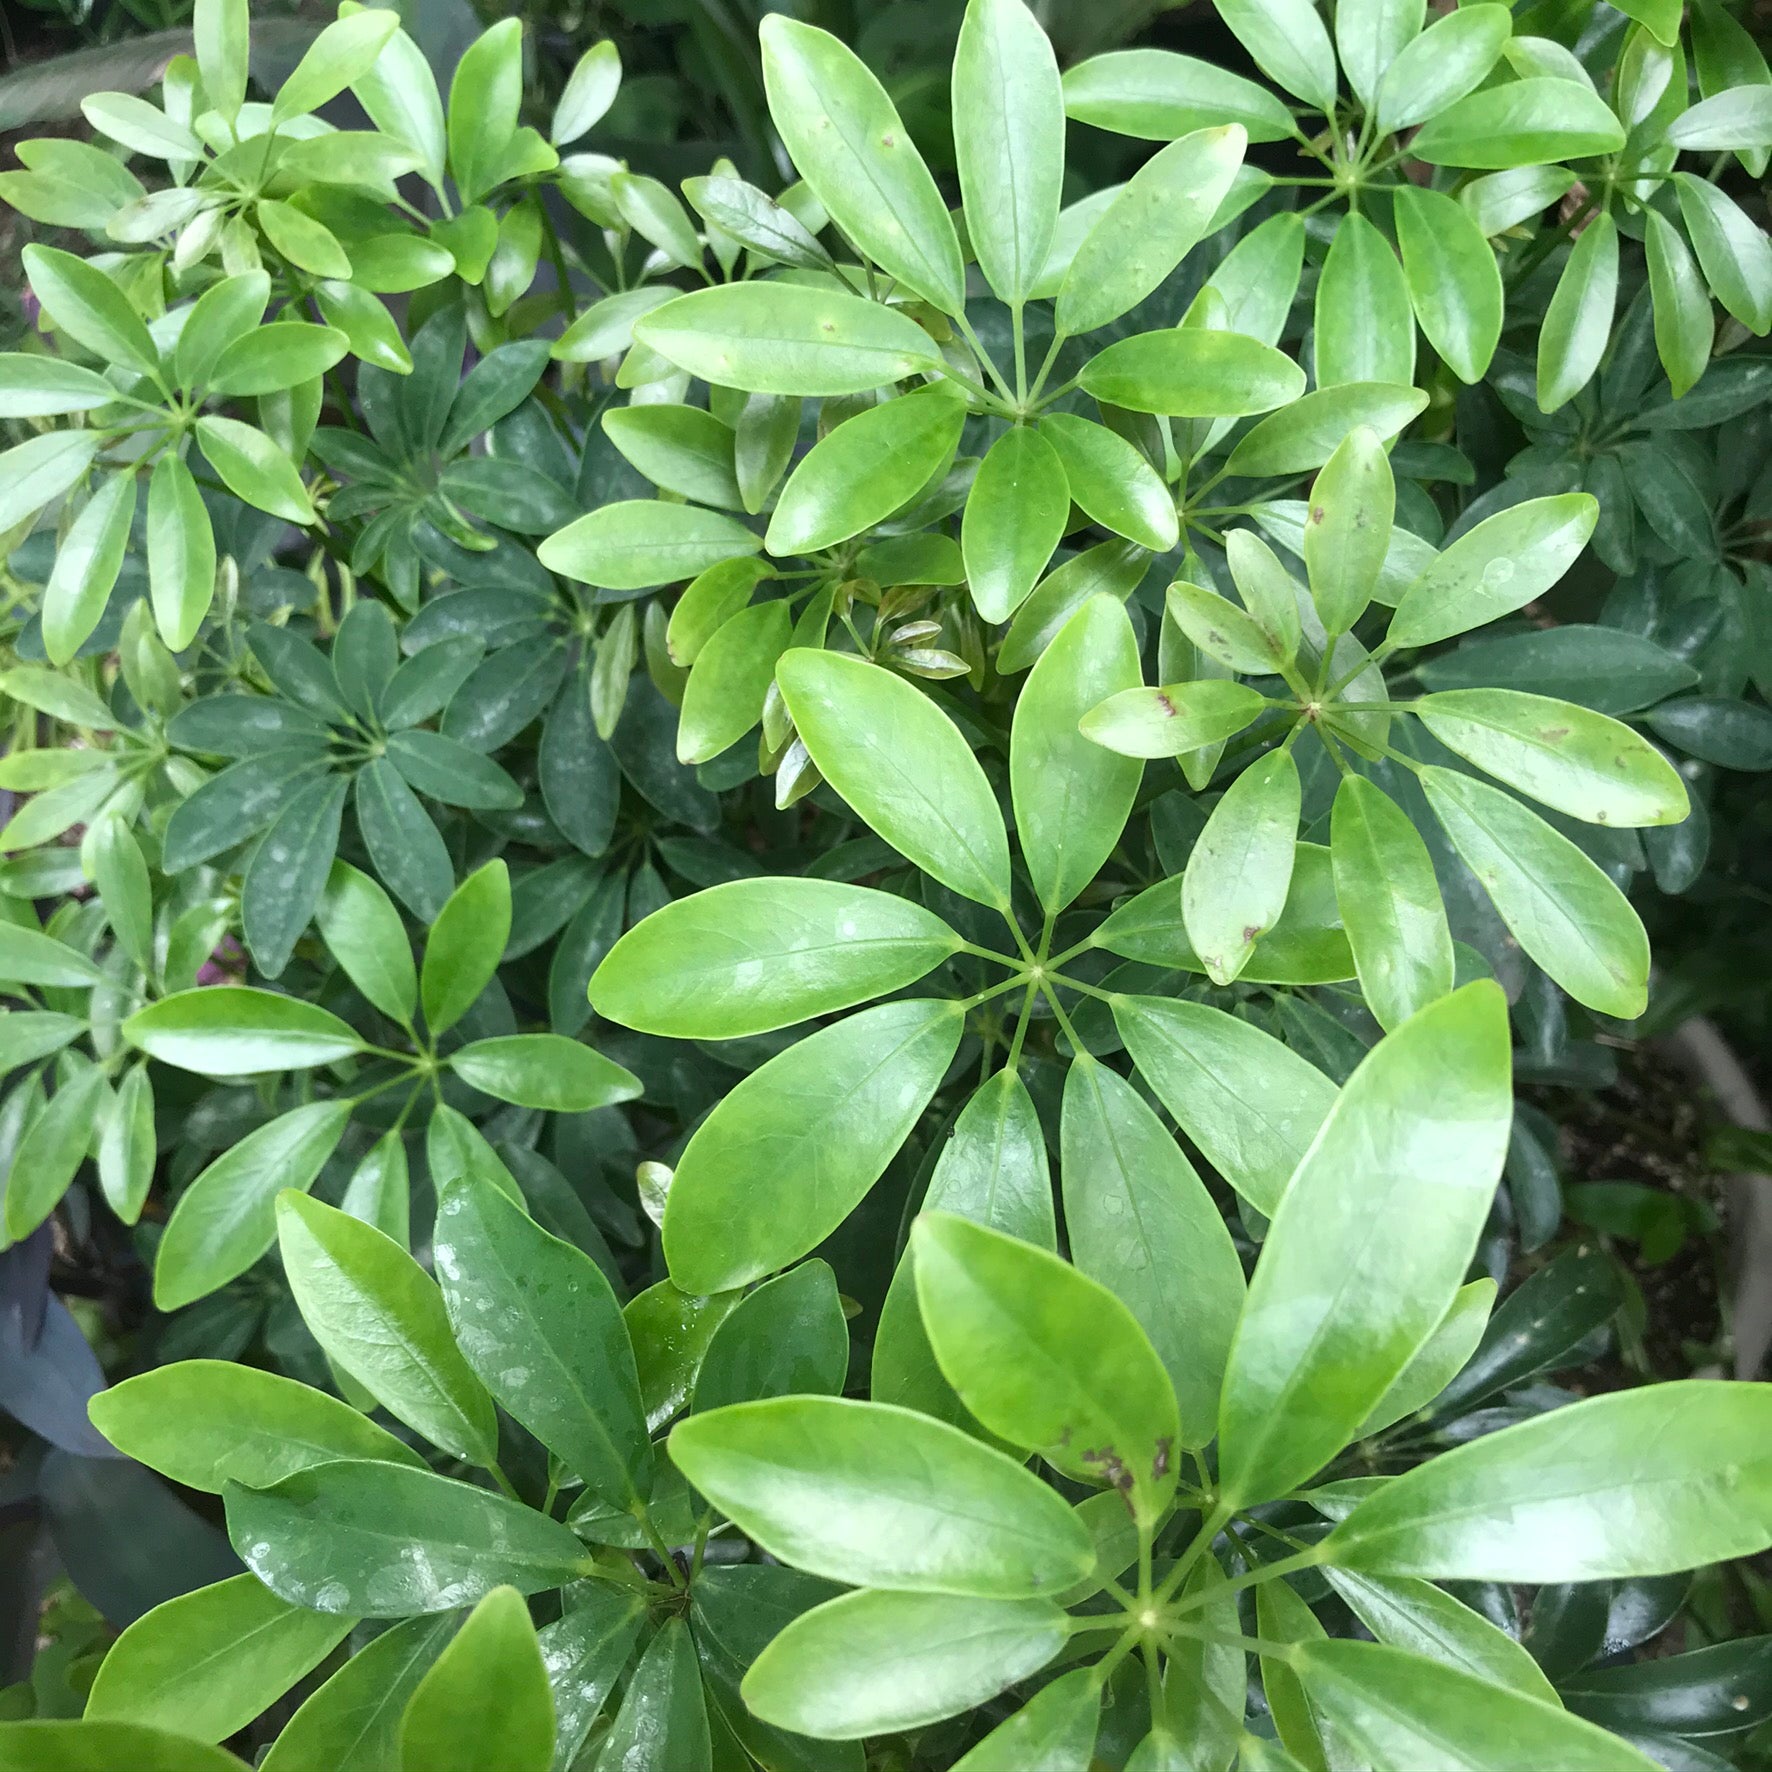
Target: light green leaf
{"type": "Point", "coordinates": [788, 1154]}
{"type": "Point", "coordinates": [1454, 282]}
{"type": "Point", "coordinates": [210, 1661]}
{"type": "Point", "coordinates": [1739, 119]}
{"type": "Point", "coordinates": [904, 767]}
{"type": "Point", "coordinates": [1348, 528]}
{"type": "Point", "coordinates": [664, 1715]}
{"type": "Point", "coordinates": [363, 930]}
{"type": "Point", "coordinates": [45, 1160]}
{"type": "Point", "coordinates": [1390, 903]}
{"type": "Point", "coordinates": [86, 567]}
{"type": "Point", "coordinates": [638, 543]}
{"type": "Point", "coordinates": [1305, 433]}
{"type": "Point", "coordinates": [37, 386]}
{"type": "Point", "coordinates": [1233, 636]}
{"type": "Point", "coordinates": [881, 1497]}
{"type": "Point", "coordinates": [1053, 1732]}
{"type": "Point", "coordinates": [1193, 374]}
{"type": "Point", "coordinates": [1734, 254]}
{"type": "Point", "coordinates": [1684, 328]}
{"type": "Point", "coordinates": [39, 469]}
{"type": "Point", "coordinates": [1578, 322]}
{"type": "Point", "coordinates": [863, 470]}
{"type": "Point", "coordinates": [1171, 721]}
{"type": "Point", "coordinates": [1112, 482]}
{"type": "Point", "coordinates": [1361, 1261]}
{"type": "Point", "coordinates": [1520, 123]}
{"type": "Point", "coordinates": [236, 1031]}
{"type": "Point", "coordinates": [223, 33]}
{"type": "Point", "coordinates": [1157, 95]}
{"type": "Point", "coordinates": [70, 1745]}
{"type": "Point", "coordinates": [252, 467]}
{"type": "Point", "coordinates": [85, 304]}
{"type": "Point", "coordinates": [1016, 514]}
{"type": "Point", "coordinates": [589, 92]}
{"type": "Point", "coordinates": [465, 945]}
{"type": "Point", "coordinates": [680, 448]}
{"type": "Point", "coordinates": [485, 1700]}
{"type": "Point", "coordinates": [1008, 141]}
{"type": "Point", "coordinates": [1241, 868]}
{"type": "Point", "coordinates": [1450, 58]}
{"type": "Point", "coordinates": [549, 1072]}
{"type": "Point", "coordinates": [273, 358]}
{"type": "Point", "coordinates": [873, 1662]}
{"type": "Point", "coordinates": [181, 552]}
{"type": "Point", "coordinates": [1365, 331]}
{"type": "Point", "coordinates": [227, 1218]}
{"type": "Point", "coordinates": [855, 153]}
{"type": "Point", "coordinates": [750, 956]}
{"type": "Point", "coordinates": [1561, 908]}
{"type": "Point", "coordinates": [1369, 36]}
{"type": "Point", "coordinates": [339, 57]}
{"type": "Point", "coordinates": [1287, 40]}
{"type": "Point", "coordinates": [1440, 1359]}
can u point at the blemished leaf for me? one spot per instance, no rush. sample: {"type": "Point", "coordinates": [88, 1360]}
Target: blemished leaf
{"type": "Point", "coordinates": [486, 1699]}
{"type": "Point", "coordinates": [903, 765]}
{"type": "Point", "coordinates": [750, 956]}
{"type": "Point", "coordinates": [204, 1423]}
{"type": "Point", "coordinates": [1141, 1222]}
{"type": "Point", "coordinates": [227, 1218]}
{"type": "Point", "coordinates": [1361, 1264]}
{"type": "Point", "coordinates": [1241, 869]}
{"type": "Point", "coordinates": [851, 148]}
{"type": "Point", "coordinates": [1390, 903]}
{"type": "Point", "coordinates": [381, 1539]}
{"type": "Point", "coordinates": [1048, 1358]}
{"type": "Point", "coordinates": [1565, 1493]}
{"type": "Point", "coordinates": [538, 1322]}
{"type": "Point", "coordinates": [1015, 516]}
{"type": "Point", "coordinates": [237, 1031]}
{"type": "Point", "coordinates": [875, 1496]}
{"type": "Point", "coordinates": [1396, 1708]}
{"type": "Point", "coordinates": [1008, 141]}
{"type": "Point", "coordinates": [1559, 905]}
{"type": "Point", "coordinates": [874, 1661]}
{"type": "Point", "coordinates": [1072, 797]}
{"type": "Point", "coordinates": [1169, 722]}
{"type": "Point", "coordinates": [792, 1149]}
{"type": "Point", "coordinates": [786, 338]}
{"type": "Point", "coordinates": [1585, 764]}
{"type": "Point", "coordinates": [864, 469]}
{"type": "Point", "coordinates": [381, 1318]}
{"type": "Point", "coordinates": [209, 1662]}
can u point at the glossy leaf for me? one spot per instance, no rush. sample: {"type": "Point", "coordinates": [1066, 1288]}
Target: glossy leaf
{"type": "Point", "coordinates": [1237, 878]}
{"type": "Point", "coordinates": [1015, 516]}
{"type": "Point", "coordinates": [1521, 123]}
{"type": "Point", "coordinates": [1365, 331]}
{"type": "Point", "coordinates": [1193, 374]}
{"type": "Point", "coordinates": [485, 1699]}
{"type": "Point", "coordinates": [1578, 322]}
{"type": "Point", "coordinates": [1454, 283]}
{"type": "Point", "coordinates": [1172, 721]}
{"type": "Point", "coordinates": [636, 544]}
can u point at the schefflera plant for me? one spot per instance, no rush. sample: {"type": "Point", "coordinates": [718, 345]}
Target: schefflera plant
{"type": "Point", "coordinates": [1563, 909]}
{"type": "Point", "coordinates": [968, 1581]}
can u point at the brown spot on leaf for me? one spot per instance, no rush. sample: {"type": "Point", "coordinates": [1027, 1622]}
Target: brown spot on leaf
{"type": "Point", "coordinates": [1318, 513]}
{"type": "Point", "coordinates": [1251, 931]}
{"type": "Point", "coordinates": [1160, 1464]}
{"type": "Point", "coordinates": [1167, 705]}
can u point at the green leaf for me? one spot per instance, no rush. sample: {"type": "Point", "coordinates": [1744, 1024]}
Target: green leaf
{"type": "Point", "coordinates": [538, 1322]}
{"type": "Point", "coordinates": [862, 471]}
{"type": "Point", "coordinates": [1192, 374]}
{"type": "Point", "coordinates": [789, 1337]}
{"type": "Point", "coordinates": [749, 956]}
{"type": "Point", "coordinates": [39, 469]}
{"type": "Point", "coordinates": [1578, 322]}
{"type": "Point", "coordinates": [1369, 36]}
{"type": "Point", "coordinates": [873, 1662]}
{"type": "Point", "coordinates": [902, 764]}
{"type": "Point", "coordinates": [1157, 95]}
{"type": "Point", "coordinates": [47, 1158]}
{"type": "Point", "coordinates": [351, 1724]}
{"type": "Point", "coordinates": [548, 1072]}
{"type": "Point", "coordinates": [1450, 58]}
{"type": "Point", "coordinates": [485, 1700]}
{"type": "Point", "coordinates": [181, 552]}
{"type": "Point", "coordinates": [383, 1540]}
{"type": "Point", "coordinates": [380, 1317]}
{"type": "Point", "coordinates": [30, 957]}
{"type": "Point", "coordinates": [1287, 40]}
{"type": "Point", "coordinates": [339, 57]}
{"type": "Point", "coordinates": [1055, 1729]}
{"type": "Point", "coordinates": [787, 338]}
{"type": "Point", "coordinates": [227, 1218]}
{"type": "Point", "coordinates": [1394, 1708]}
{"type": "Point", "coordinates": [236, 1031]}
{"type": "Point", "coordinates": [1112, 482]}
{"type": "Point", "coordinates": [752, 218]}
{"type": "Point", "coordinates": [465, 945]}
{"type": "Point", "coordinates": [221, 316]}
{"type": "Point", "coordinates": [363, 930]}
{"type": "Point", "coordinates": [663, 1717]}
{"type": "Point", "coordinates": [1348, 528]}
{"type": "Point", "coordinates": [210, 1661]}
{"type": "Point", "coordinates": [587, 1649]}
{"type": "Point", "coordinates": [590, 91]}
{"type": "Point", "coordinates": [1454, 282]}
{"type": "Point", "coordinates": [1361, 1261]}
{"type": "Point", "coordinates": [275, 357]}
{"type": "Point", "coordinates": [1048, 1358]}
{"type": "Point", "coordinates": [1495, 568]}
{"type": "Point", "coordinates": [1252, 1105]}
{"type": "Point", "coordinates": [1735, 256]}
{"type": "Point", "coordinates": [1684, 328]}
{"type": "Point", "coordinates": [86, 567]}
{"type": "Point", "coordinates": [882, 1497]}
{"type": "Point", "coordinates": [730, 679]}
{"type": "Point", "coordinates": [1305, 433]}
{"type": "Point", "coordinates": [1156, 218]}
{"type": "Point", "coordinates": [1016, 514]}
{"type": "Point", "coordinates": [253, 468]}
{"type": "Point", "coordinates": [651, 209]}
{"type": "Point", "coordinates": [1365, 331]}
{"type": "Point", "coordinates": [1519, 124]}
{"type": "Point", "coordinates": [681, 448]}
{"type": "Point", "coordinates": [851, 148]}
{"type": "Point", "coordinates": [1172, 721]}
{"type": "Point", "coordinates": [1141, 1222]}
{"type": "Point", "coordinates": [37, 386]}
{"type": "Point", "coordinates": [1390, 903]}
{"type": "Point", "coordinates": [1561, 908]}
{"type": "Point", "coordinates": [85, 304]}
{"type": "Point", "coordinates": [69, 1745]}
{"type": "Point", "coordinates": [1008, 142]}
{"type": "Point", "coordinates": [1582, 763]}
{"type": "Point", "coordinates": [1740, 118]}
{"type": "Point", "coordinates": [1238, 875]}
{"type": "Point", "coordinates": [638, 543]}
{"type": "Point", "coordinates": [205, 1423]}
{"type": "Point", "coordinates": [286, 873]}
{"type": "Point", "coordinates": [788, 1154]}
{"type": "Point", "coordinates": [1072, 797]}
